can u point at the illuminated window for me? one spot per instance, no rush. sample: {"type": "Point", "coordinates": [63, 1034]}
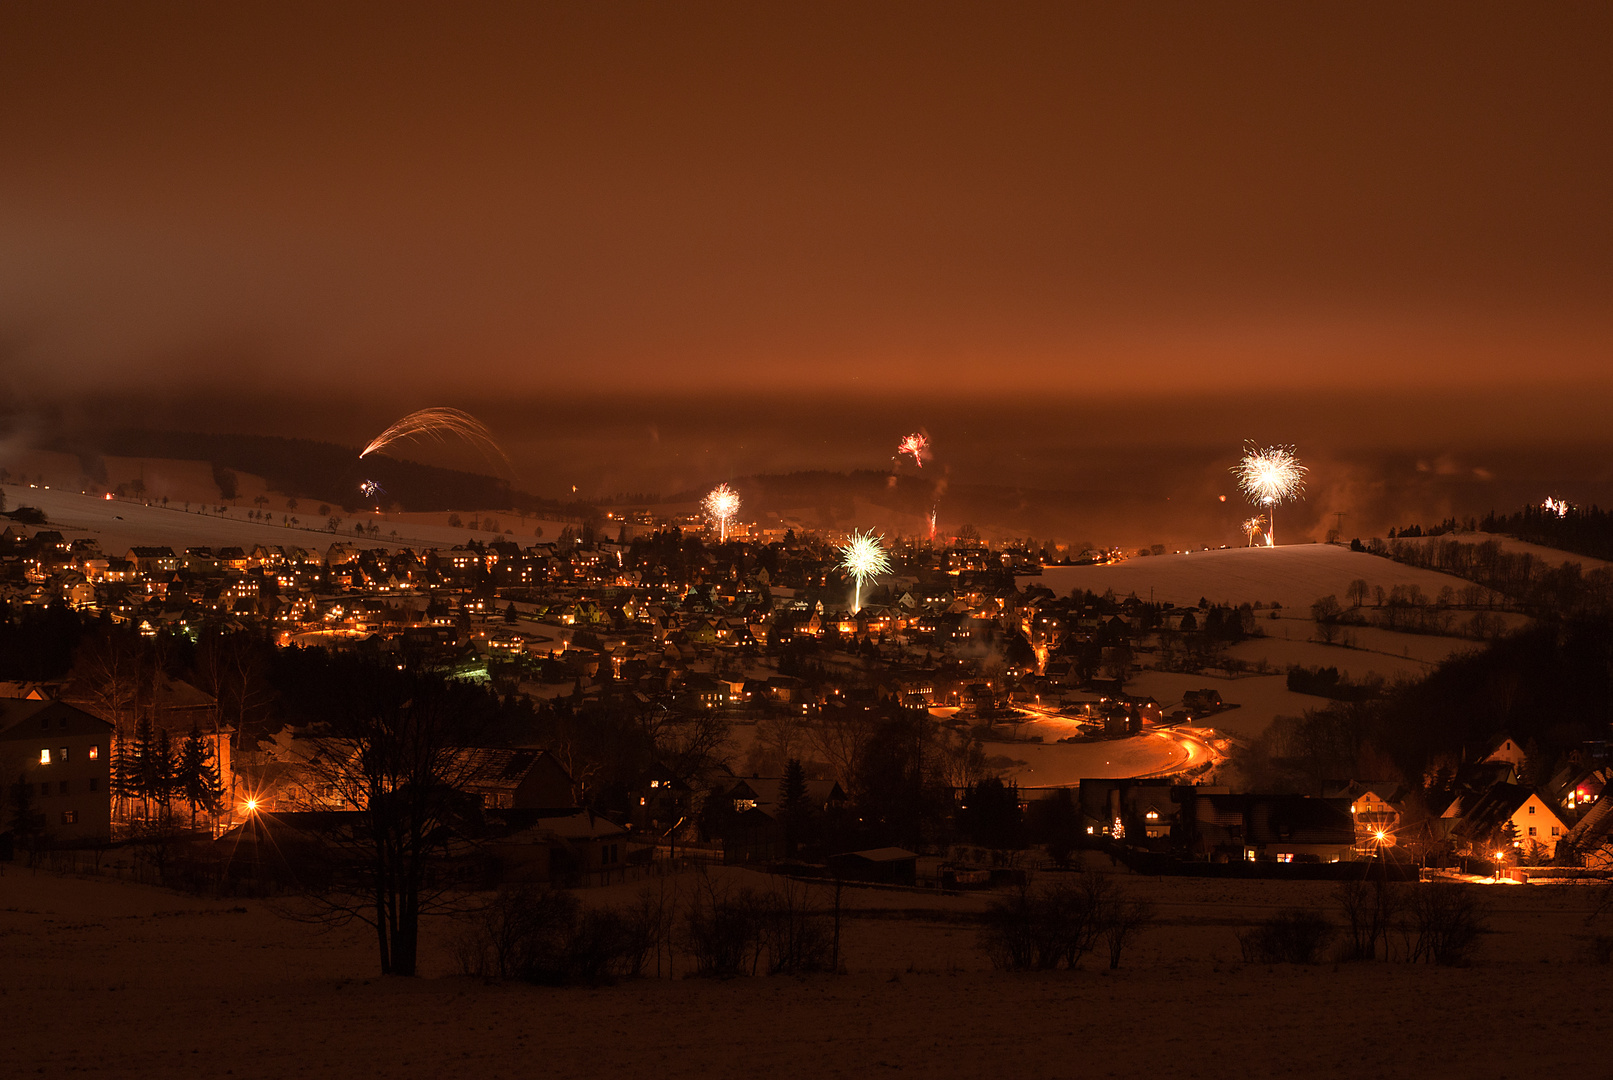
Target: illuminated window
{"type": "Point", "coordinates": [44, 756]}
{"type": "Point", "coordinates": [69, 817]}
{"type": "Point", "coordinates": [95, 752]}
{"type": "Point", "coordinates": [63, 752]}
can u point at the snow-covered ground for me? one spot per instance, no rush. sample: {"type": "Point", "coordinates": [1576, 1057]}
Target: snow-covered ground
{"type": "Point", "coordinates": [120, 524]}
{"type": "Point", "coordinates": [1055, 764]}
{"type": "Point", "coordinates": [1550, 556]}
{"type": "Point", "coordinates": [1294, 576]}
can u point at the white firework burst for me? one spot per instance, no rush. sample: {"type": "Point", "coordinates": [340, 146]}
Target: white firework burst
{"type": "Point", "coordinates": [721, 504]}
{"type": "Point", "coordinates": [1269, 476]}
{"type": "Point", "coordinates": [863, 557]}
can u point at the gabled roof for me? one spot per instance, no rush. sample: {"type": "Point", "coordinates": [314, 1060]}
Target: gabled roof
{"type": "Point", "coordinates": [1494, 807]}
{"type": "Point", "coordinates": [24, 718]}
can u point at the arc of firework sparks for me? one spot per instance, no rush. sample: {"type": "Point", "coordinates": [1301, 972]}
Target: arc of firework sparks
{"type": "Point", "coordinates": [863, 557]}
{"type": "Point", "coordinates": [722, 503]}
{"type": "Point", "coordinates": [1269, 476]}
{"type": "Point", "coordinates": [439, 423]}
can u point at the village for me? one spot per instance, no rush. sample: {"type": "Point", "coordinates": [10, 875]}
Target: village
{"type": "Point", "coordinates": [755, 698]}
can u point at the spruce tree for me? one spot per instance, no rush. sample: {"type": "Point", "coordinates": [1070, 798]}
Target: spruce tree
{"type": "Point", "coordinates": [198, 775]}
{"type": "Point", "coordinates": [164, 770]}
{"type": "Point", "coordinates": [793, 804]}
{"type": "Point", "coordinates": [143, 765]}
{"type": "Point", "coordinates": [124, 772]}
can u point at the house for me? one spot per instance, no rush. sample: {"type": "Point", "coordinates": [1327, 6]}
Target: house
{"type": "Point", "coordinates": [153, 560]}
{"type": "Point", "coordinates": [886, 866]}
{"type": "Point", "coordinates": [576, 847]}
{"type": "Point", "coordinates": [1215, 825]}
{"type": "Point", "coordinates": [1375, 808]}
{"type": "Point", "coordinates": [514, 778]}
{"type": "Point", "coordinates": [1507, 814]}
{"type": "Point", "coordinates": [1509, 752]}
{"type": "Point", "coordinates": [59, 756]}
{"type": "Point", "coordinates": [1131, 810]}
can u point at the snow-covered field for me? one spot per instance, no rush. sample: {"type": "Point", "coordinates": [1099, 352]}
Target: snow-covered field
{"type": "Point", "coordinates": [1550, 556]}
{"type": "Point", "coordinates": [1294, 576]}
{"type": "Point", "coordinates": [120, 524]}
{"type": "Point", "coordinates": [118, 980]}
{"type": "Point", "coordinates": [1360, 650]}
{"type": "Point", "coordinates": [1260, 698]}
{"type": "Point", "coordinates": [1055, 764]}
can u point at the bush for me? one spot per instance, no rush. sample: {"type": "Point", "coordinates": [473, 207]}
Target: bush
{"type": "Point", "coordinates": [1371, 911]}
{"type": "Point", "coordinates": [800, 938]}
{"type": "Point", "coordinates": [1446, 920]}
{"type": "Point", "coordinates": [1056, 924]}
{"type": "Point", "coordinates": [729, 933]}
{"type": "Point", "coordinates": [725, 933]}
{"type": "Point", "coordinates": [1292, 936]}
{"type": "Point", "coordinates": [546, 936]}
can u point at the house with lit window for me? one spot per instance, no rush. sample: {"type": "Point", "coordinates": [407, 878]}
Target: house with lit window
{"type": "Point", "coordinates": [1506, 815]}
{"type": "Point", "coordinates": [60, 756]}
{"type": "Point", "coordinates": [1375, 808]}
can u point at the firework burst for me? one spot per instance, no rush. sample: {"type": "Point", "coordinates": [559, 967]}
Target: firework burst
{"type": "Point", "coordinates": [1558, 507]}
{"type": "Point", "coordinates": [1268, 477]}
{"type": "Point", "coordinates": [915, 446]}
{"type": "Point", "coordinates": [863, 557]}
{"type": "Point", "coordinates": [370, 489]}
{"type": "Point", "coordinates": [439, 424]}
{"type": "Point", "coordinates": [1252, 527]}
{"type": "Point", "coordinates": [721, 504]}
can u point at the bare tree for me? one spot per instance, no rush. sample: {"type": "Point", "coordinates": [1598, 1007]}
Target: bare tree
{"type": "Point", "coordinates": [840, 737]}
{"type": "Point", "coordinates": [393, 748]}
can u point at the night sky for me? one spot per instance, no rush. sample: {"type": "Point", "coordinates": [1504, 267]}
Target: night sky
{"type": "Point", "coordinates": [914, 199]}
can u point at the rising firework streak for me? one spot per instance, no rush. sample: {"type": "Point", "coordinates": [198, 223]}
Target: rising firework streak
{"type": "Point", "coordinates": [1268, 477]}
{"type": "Point", "coordinates": [722, 504]}
{"type": "Point", "coordinates": [439, 424]}
{"type": "Point", "coordinates": [916, 446]}
{"type": "Point", "coordinates": [862, 557]}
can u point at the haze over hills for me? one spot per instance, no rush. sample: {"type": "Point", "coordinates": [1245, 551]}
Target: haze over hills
{"type": "Point", "coordinates": [1128, 473]}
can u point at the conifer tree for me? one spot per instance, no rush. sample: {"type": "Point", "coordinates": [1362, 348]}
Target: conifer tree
{"type": "Point", "coordinates": [164, 770]}
{"type": "Point", "coordinates": [198, 775]}
{"type": "Point", "coordinates": [143, 765]}
{"type": "Point", "coordinates": [125, 773]}
{"type": "Point", "coordinates": [793, 804]}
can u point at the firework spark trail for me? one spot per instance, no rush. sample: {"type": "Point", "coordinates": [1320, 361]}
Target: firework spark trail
{"type": "Point", "coordinates": [1252, 527]}
{"type": "Point", "coordinates": [1268, 477]}
{"type": "Point", "coordinates": [1560, 507]}
{"type": "Point", "coordinates": [369, 489]}
{"type": "Point", "coordinates": [932, 524]}
{"type": "Point", "coordinates": [916, 446]}
{"type": "Point", "coordinates": [439, 423]}
{"type": "Point", "coordinates": [722, 503]}
{"type": "Point", "coordinates": [862, 557]}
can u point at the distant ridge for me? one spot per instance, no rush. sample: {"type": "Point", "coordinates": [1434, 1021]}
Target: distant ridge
{"type": "Point", "coordinates": [329, 472]}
